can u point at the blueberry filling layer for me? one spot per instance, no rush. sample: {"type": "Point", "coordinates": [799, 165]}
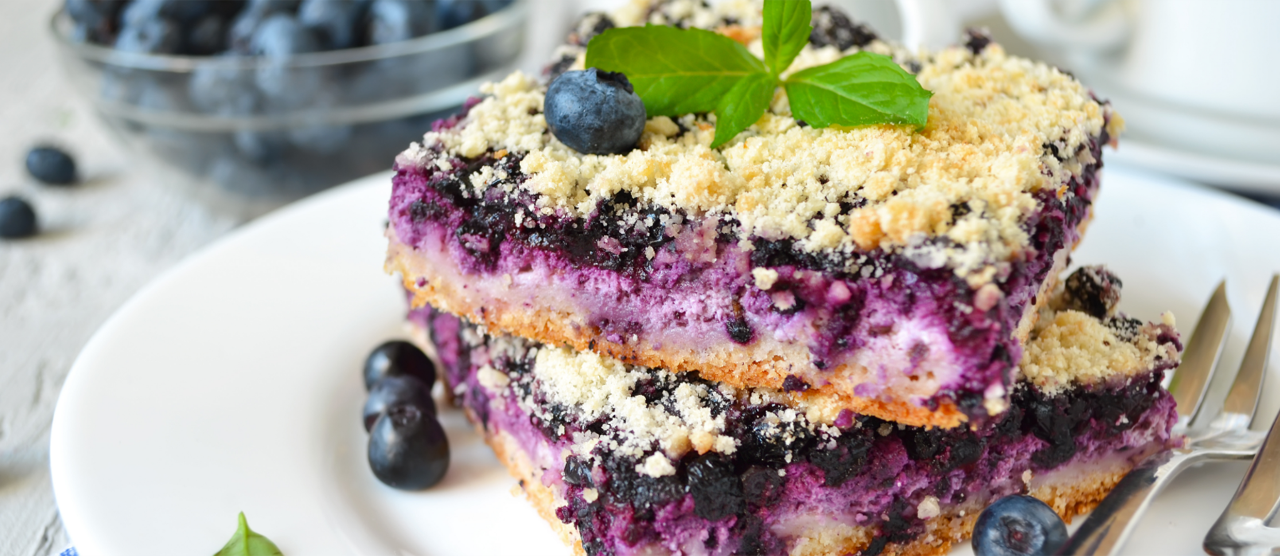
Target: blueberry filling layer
{"type": "Point", "coordinates": [647, 460]}
{"type": "Point", "coordinates": [644, 278]}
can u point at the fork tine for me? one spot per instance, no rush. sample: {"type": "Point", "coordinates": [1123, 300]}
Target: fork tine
{"type": "Point", "coordinates": [1201, 355]}
{"type": "Point", "coordinates": [1242, 400]}
{"type": "Point", "coordinates": [1254, 501]}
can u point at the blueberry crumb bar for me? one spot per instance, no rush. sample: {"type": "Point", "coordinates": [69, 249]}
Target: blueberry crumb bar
{"type": "Point", "coordinates": [886, 270]}
{"type": "Point", "coordinates": [626, 460]}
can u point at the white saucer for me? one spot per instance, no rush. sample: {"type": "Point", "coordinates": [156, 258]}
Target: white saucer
{"type": "Point", "coordinates": [1240, 175]}
{"type": "Point", "coordinates": [232, 383]}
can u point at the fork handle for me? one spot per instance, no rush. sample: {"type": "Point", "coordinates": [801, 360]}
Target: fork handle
{"type": "Point", "coordinates": [1110, 524]}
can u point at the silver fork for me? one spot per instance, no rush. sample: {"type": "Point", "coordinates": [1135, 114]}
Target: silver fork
{"type": "Point", "coordinates": [1226, 437]}
{"type": "Point", "coordinates": [1242, 528]}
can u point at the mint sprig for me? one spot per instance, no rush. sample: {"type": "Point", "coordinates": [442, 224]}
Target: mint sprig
{"type": "Point", "coordinates": [860, 89]}
{"type": "Point", "coordinates": [786, 31]}
{"type": "Point", "coordinates": [245, 542]}
{"type": "Point", "coordinates": [683, 71]}
{"type": "Point", "coordinates": [674, 81]}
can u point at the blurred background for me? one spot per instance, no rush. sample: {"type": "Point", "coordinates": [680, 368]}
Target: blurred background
{"type": "Point", "coordinates": [184, 119]}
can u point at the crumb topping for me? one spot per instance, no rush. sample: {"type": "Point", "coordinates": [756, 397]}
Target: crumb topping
{"type": "Point", "coordinates": [599, 388]}
{"type": "Point", "coordinates": [1000, 129]}
{"type": "Point", "coordinates": [1073, 348]}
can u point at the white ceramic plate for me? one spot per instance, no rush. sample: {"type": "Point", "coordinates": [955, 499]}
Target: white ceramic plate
{"type": "Point", "coordinates": [232, 384]}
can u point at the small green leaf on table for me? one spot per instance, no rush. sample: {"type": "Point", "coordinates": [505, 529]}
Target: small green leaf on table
{"type": "Point", "coordinates": [245, 542]}
{"type": "Point", "coordinates": [860, 89]}
{"type": "Point", "coordinates": [675, 71]}
{"type": "Point", "coordinates": [786, 31]}
{"type": "Point", "coordinates": [743, 105]}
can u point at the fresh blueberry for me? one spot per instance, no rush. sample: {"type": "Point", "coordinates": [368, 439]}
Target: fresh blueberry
{"type": "Point", "coordinates": [261, 147]}
{"type": "Point", "coordinates": [152, 36]}
{"type": "Point", "coordinates": [223, 89]}
{"type": "Point", "coordinates": [94, 20]}
{"type": "Point", "coordinates": [51, 165]}
{"type": "Point", "coordinates": [278, 39]}
{"type": "Point", "coordinates": [17, 218]}
{"type": "Point", "coordinates": [246, 23]}
{"type": "Point", "coordinates": [183, 12]}
{"type": "Point", "coordinates": [320, 139]}
{"type": "Point", "coordinates": [160, 95]}
{"type": "Point", "coordinates": [281, 36]}
{"type": "Point", "coordinates": [393, 391]}
{"type": "Point", "coordinates": [1018, 525]}
{"type": "Point", "coordinates": [397, 358]}
{"type": "Point", "coordinates": [408, 449]}
{"type": "Point", "coordinates": [335, 22]}
{"type": "Point", "coordinates": [399, 20]}
{"type": "Point", "coordinates": [594, 112]}
{"type": "Point", "coordinates": [208, 36]}
{"type": "Point", "coordinates": [452, 13]}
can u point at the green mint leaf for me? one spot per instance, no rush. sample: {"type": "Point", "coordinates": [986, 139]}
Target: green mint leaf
{"type": "Point", "coordinates": [860, 89]}
{"type": "Point", "coordinates": [675, 71]}
{"type": "Point", "coordinates": [248, 543]}
{"type": "Point", "coordinates": [743, 105]}
{"type": "Point", "coordinates": [786, 31]}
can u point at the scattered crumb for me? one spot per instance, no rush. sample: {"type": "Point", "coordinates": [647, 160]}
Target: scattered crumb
{"type": "Point", "coordinates": [765, 277]}
{"type": "Point", "coordinates": [656, 465]}
{"type": "Point", "coordinates": [928, 508]}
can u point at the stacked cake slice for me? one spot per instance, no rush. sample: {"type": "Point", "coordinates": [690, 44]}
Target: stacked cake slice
{"type": "Point", "coordinates": [805, 341]}
{"type": "Point", "coordinates": [629, 460]}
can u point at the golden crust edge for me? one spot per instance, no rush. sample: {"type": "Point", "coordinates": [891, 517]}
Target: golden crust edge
{"type": "Point", "coordinates": [557, 329]}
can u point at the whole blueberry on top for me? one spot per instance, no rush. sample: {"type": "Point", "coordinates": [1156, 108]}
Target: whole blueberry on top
{"type": "Point", "coordinates": [594, 112]}
{"type": "Point", "coordinates": [17, 218]}
{"type": "Point", "coordinates": [51, 165]}
{"type": "Point", "coordinates": [1018, 525]}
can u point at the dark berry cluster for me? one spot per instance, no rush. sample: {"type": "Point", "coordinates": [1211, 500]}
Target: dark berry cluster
{"type": "Point", "coordinates": [244, 27]}
{"type": "Point", "coordinates": [407, 446]}
{"type": "Point", "coordinates": [49, 165]}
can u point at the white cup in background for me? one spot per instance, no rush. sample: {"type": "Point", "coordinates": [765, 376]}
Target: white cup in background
{"type": "Point", "coordinates": [1199, 75]}
{"type": "Point", "coordinates": [915, 23]}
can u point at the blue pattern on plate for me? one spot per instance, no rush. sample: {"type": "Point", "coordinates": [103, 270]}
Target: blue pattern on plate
{"type": "Point", "coordinates": [70, 552]}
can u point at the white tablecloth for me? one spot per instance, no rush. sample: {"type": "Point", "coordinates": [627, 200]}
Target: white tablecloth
{"type": "Point", "coordinates": [101, 241]}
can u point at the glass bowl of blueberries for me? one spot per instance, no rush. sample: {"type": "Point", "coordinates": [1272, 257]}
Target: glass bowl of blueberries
{"type": "Point", "coordinates": [251, 104]}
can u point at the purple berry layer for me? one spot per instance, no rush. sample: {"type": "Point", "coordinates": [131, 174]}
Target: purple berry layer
{"type": "Point", "coordinates": [782, 484]}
